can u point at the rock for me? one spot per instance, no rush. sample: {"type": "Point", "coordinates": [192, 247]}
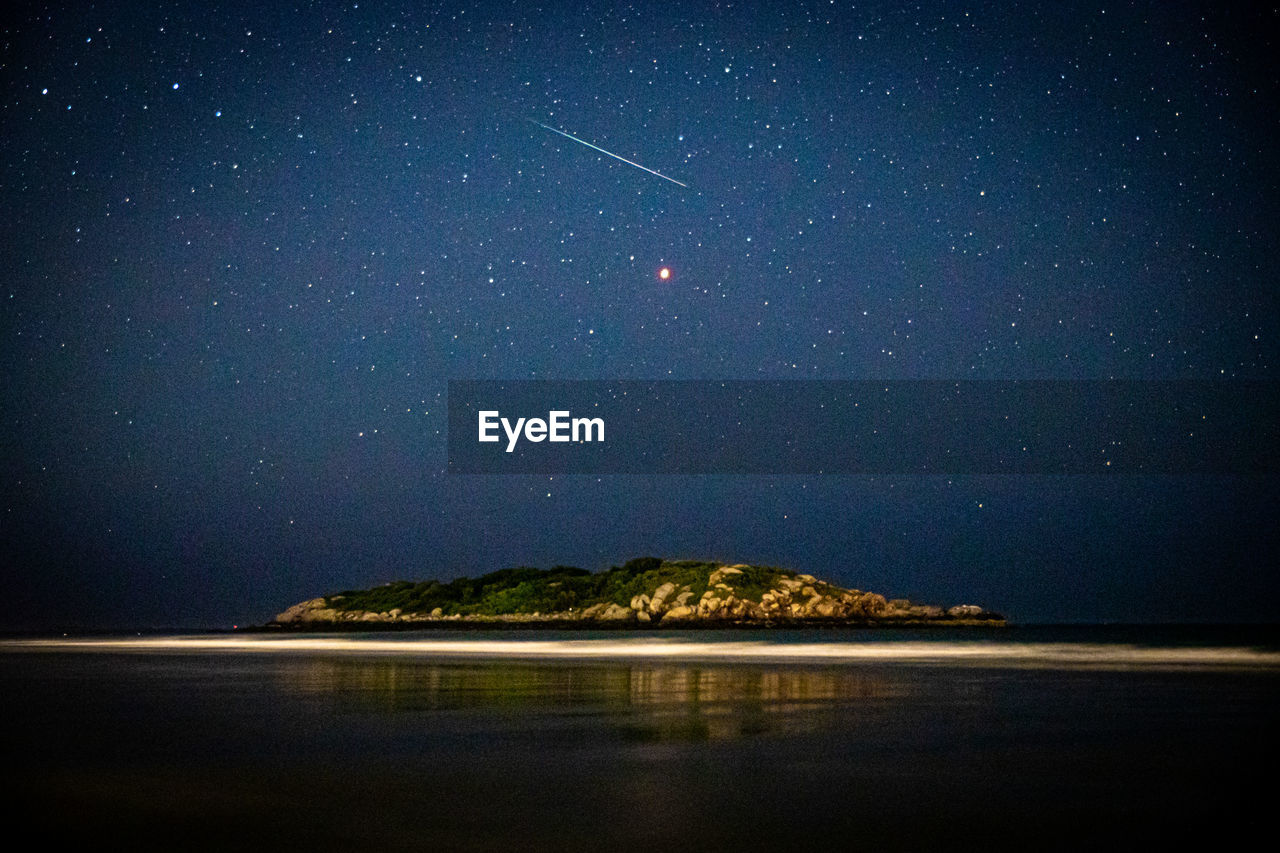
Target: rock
{"type": "Point", "coordinates": [437, 612]}
{"type": "Point", "coordinates": [872, 604]}
{"type": "Point", "coordinates": [659, 602]}
{"type": "Point", "coordinates": [316, 610]}
{"type": "Point", "coordinates": [299, 612]}
{"type": "Point", "coordinates": [722, 573]}
{"type": "Point", "coordinates": [643, 616]}
{"type": "Point", "coordinates": [617, 613]}
{"type": "Point", "coordinates": [640, 602]}
{"type": "Point", "coordinates": [677, 614]}
{"type": "Point", "coordinates": [961, 611]}
{"type": "Point", "coordinates": [683, 598]}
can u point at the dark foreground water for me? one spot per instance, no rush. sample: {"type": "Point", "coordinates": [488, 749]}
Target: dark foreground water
{"type": "Point", "coordinates": [1031, 738]}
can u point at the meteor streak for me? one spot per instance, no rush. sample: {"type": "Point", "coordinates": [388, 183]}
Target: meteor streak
{"type": "Point", "coordinates": [610, 153]}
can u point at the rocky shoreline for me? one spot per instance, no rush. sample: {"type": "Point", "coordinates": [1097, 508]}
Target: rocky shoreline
{"type": "Point", "coordinates": [790, 601]}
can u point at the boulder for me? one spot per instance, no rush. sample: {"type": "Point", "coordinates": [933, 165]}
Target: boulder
{"type": "Point", "coordinates": [659, 602]}
{"type": "Point", "coordinates": [300, 612]}
{"type": "Point", "coordinates": [721, 573]}
{"type": "Point", "coordinates": [617, 613]}
{"type": "Point", "coordinates": [872, 604]}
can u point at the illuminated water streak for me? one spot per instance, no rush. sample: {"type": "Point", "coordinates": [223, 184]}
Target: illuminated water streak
{"type": "Point", "coordinates": [998, 654]}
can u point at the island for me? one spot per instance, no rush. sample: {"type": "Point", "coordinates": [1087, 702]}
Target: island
{"type": "Point", "coordinates": [643, 592]}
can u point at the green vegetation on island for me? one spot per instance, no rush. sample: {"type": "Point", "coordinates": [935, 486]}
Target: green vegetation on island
{"type": "Point", "coordinates": [643, 591]}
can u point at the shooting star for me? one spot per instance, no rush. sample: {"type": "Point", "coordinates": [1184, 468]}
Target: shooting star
{"type": "Point", "coordinates": [610, 153]}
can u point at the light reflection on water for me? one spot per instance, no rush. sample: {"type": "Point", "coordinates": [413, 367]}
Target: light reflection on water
{"type": "Point", "coordinates": [649, 701]}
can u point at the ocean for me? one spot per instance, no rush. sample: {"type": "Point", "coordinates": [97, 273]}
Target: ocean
{"type": "Point", "coordinates": [1030, 737]}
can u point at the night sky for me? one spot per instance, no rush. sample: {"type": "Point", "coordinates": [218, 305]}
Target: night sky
{"type": "Point", "coordinates": [245, 247]}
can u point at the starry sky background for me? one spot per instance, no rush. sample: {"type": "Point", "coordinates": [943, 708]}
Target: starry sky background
{"type": "Point", "coordinates": [245, 246]}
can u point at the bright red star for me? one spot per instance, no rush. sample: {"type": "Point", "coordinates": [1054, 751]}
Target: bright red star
{"type": "Point", "coordinates": [664, 273]}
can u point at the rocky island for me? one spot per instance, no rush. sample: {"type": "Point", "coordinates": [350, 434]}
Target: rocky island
{"type": "Point", "coordinates": [646, 591]}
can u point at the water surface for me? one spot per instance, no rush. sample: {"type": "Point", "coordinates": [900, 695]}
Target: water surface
{"type": "Point", "coordinates": [724, 741]}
